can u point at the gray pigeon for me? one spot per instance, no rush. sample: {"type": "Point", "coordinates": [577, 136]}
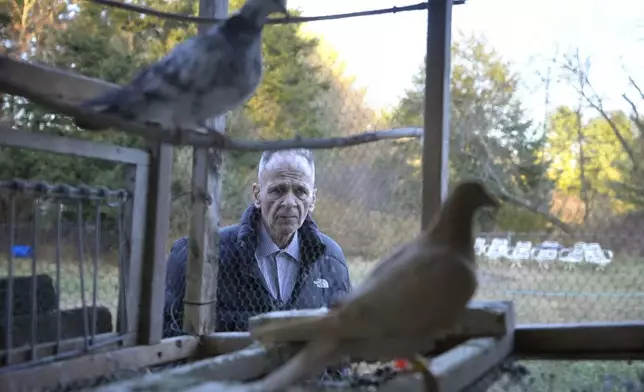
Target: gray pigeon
{"type": "Point", "coordinates": [203, 77]}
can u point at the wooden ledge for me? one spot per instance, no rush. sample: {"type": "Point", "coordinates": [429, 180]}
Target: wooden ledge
{"type": "Point", "coordinates": [483, 319]}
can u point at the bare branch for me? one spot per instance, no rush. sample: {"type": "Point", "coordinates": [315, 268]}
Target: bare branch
{"type": "Point", "coordinates": [506, 195]}
{"type": "Point", "coordinates": [290, 20]}
{"type": "Point", "coordinates": [635, 117]}
{"type": "Point", "coordinates": [634, 84]}
{"type": "Point", "coordinates": [597, 104]}
{"type": "Point", "coordinates": [197, 138]}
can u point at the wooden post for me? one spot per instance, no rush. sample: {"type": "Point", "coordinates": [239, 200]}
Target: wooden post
{"type": "Point", "coordinates": [157, 223]}
{"type": "Point", "coordinates": [203, 243]}
{"type": "Point", "coordinates": [437, 108]}
{"type": "Point", "coordinates": [135, 238]}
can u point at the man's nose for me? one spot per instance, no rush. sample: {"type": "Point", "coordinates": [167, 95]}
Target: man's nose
{"type": "Point", "coordinates": [289, 200]}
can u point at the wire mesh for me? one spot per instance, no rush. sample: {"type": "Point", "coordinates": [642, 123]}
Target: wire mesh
{"type": "Point", "coordinates": [514, 375]}
{"type": "Point", "coordinates": [59, 282]}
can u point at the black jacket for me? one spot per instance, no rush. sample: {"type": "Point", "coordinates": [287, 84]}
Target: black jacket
{"type": "Point", "coordinates": [241, 291]}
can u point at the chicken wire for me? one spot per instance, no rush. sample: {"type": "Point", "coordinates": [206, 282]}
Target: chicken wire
{"type": "Point", "coordinates": [513, 375]}
{"type": "Point", "coordinates": [60, 270]}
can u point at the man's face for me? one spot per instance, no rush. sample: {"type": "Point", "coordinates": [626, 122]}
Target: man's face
{"type": "Point", "coordinates": [285, 194]}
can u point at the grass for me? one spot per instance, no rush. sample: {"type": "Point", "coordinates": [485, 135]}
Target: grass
{"type": "Point", "coordinates": [557, 295]}
{"type": "Point", "coordinates": [107, 287]}
{"type": "Point", "coordinates": [540, 296]}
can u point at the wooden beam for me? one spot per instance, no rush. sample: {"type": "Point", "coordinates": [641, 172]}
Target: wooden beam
{"type": "Point", "coordinates": [69, 146]}
{"type": "Point", "coordinates": [482, 319]}
{"type": "Point", "coordinates": [53, 375]}
{"type": "Point", "coordinates": [618, 341]}
{"type": "Point", "coordinates": [156, 237]}
{"type": "Point", "coordinates": [22, 355]}
{"type": "Point", "coordinates": [135, 236]}
{"type": "Point", "coordinates": [437, 108]}
{"type": "Point", "coordinates": [202, 269]}
{"type": "Point", "coordinates": [220, 343]}
{"type": "Point", "coordinates": [243, 365]}
{"type": "Point", "coordinates": [454, 369]}
{"type": "Point", "coordinates": [69, 87]}
{"type": "Point", "coordinates": [464, 364]}
{"type": "Point", "coordinates": [71, 326]}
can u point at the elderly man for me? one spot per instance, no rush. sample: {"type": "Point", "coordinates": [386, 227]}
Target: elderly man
{"type": "Point", "coordinates": [276, 258]}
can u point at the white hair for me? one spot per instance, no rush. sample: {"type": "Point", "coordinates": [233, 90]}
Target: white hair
{"type": "Point", "coordinates": [301, 153]}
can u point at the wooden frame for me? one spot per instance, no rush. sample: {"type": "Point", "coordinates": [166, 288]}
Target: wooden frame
{"type": "Point", "coordinates": [455, 367]}
{"type": "Point", "coordinates": [202, 268]}
{"type": "Point", "coordinates": [437, 108]}
{"type": "Point", "coordinates": [140, 293]}
{"type": "Point", "coordinates": [459, 359]}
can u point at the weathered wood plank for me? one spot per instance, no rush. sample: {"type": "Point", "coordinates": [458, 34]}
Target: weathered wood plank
{"type": "Point", "coordinates": [71, 325]}
{"type": "Point", "coordinates": [69, 87]}
{"type": "Point", "coordinates": [483, 319]}
{"type": "Point", "coordinates": [619, 341]}
{"type": "Point", "coordinates": [242, 365]}
{"type": "Point", "coordinates": [467, 362]}
{"type": "Point", "coordinates": [203, 242]}
{"type": "Point", "coordinates": [219, 343]}
{"type": "Point", "coordinates": [69, 146]}
{"type": "Point", "coordinates": [87, 367]}
{"type": "Point", "coordinates": [157, 225]}
{"type": "Point", "coordinates": [435, 139]}
{"type": "Point", "coordinates": [135, 235]}
{"type": "Point", "coordinates": [106, 341]}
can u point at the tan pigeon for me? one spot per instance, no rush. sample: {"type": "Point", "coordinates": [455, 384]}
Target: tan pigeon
{"type": "Point", "coordinates": [411, 297]}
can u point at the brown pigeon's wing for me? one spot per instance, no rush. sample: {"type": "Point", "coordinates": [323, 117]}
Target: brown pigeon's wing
{"type": "Point", "coordinates": [401, 253]}
{"type": "Point", "coordinates": [424, 290]}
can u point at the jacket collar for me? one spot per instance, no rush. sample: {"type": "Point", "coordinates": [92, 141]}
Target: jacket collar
{"type": "Point", "coordinates": [249, 234]}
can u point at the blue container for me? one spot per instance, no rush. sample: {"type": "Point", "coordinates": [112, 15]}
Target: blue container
{"type": "Point", "coordinates": [21, 251]}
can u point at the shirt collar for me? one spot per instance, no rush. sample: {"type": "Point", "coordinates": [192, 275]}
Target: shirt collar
{"type": "Point", "coordinates": [266, 246]}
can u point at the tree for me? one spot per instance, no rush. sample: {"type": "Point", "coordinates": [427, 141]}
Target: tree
{"type": "Point", "coordinates": [587, 158]}
{"type": "Point", "coordinates": [489, 138]}
{"type": "Point", "coordinates": [605, 168]}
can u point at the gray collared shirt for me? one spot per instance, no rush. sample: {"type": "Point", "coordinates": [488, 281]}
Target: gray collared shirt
{"type": "Point", "coordinates": [288, 262]}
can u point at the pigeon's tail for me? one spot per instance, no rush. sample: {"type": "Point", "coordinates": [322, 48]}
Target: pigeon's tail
{"type": "Point", "coordinates": [103, 103]}
{"type": "Point", "coordinates": [311, 360]}
{"type": "Point", "coordinates": [282, 330]}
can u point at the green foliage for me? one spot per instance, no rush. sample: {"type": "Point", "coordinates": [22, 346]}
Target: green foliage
{"type": "Point", "coordinates": [588, 159]}
{"type": "Point", "coordinates": [489, 136]}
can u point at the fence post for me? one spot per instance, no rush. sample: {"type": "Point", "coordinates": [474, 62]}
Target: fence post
{"type": "Point", "coordinates": [203, 242]}
{"type": "Point", "coordinates": [157, 222]}
{"type": "Point", "coordinates": [437, 108]}
{"type": "Point", "coordinates": [137, 185]}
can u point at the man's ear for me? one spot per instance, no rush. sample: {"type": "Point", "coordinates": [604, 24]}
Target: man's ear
{"type": "Point", "coordinates": [312, 205]}
{"type": "Point", "coordinates": [256, 195]}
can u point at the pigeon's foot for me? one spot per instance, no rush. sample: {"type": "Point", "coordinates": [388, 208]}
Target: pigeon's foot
{"type": "Point", "coordinates": [418, 365]}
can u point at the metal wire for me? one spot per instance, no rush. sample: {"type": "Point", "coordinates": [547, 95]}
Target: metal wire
{"type": "Point", "coordinates": [67, 191]}
{"type": "Point", "coordinates": [97, 245]}
{"type": "Point", "coordinates": [122, 317]}
{"type": "Point", "coordinates": [81, 270]}
{"type": "Point", "coordinates": [290, 20]}
{"type": "Point", "coordinates": [24, 342]}
{"type": "Point", "coordinates": [59, 321]}
{"type": "Point", "coordinates": [9, 300]}
{"type": "Point", "coordinates": [34, 277]}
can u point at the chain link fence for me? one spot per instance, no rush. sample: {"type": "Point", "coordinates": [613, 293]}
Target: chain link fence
{"type": "Point", "coordinates": [59, 276]}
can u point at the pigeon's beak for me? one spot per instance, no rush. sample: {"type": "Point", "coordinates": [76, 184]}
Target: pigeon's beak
{"type": "Point", "coordinates": [284, 10]}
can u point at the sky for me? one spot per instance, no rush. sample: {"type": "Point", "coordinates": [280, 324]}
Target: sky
{"type": "Point", "coordinates": [384, 51]}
